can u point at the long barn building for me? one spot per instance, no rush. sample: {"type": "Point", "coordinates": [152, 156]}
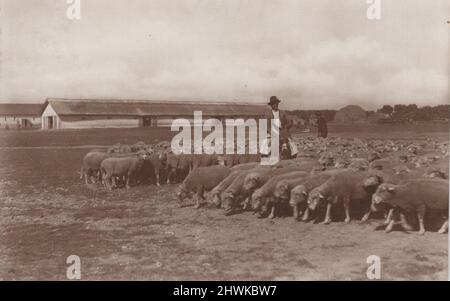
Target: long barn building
{"type": "Point", "coordinates": [20, 115]}
{"type": "Point", "coordinates": [81, 113]}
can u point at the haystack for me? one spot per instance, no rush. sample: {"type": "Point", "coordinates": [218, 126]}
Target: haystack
{"type": "Point", "coordinates": [350, 114]}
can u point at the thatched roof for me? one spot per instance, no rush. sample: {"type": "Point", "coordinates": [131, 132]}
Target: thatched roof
{"type": "Point", "coordinates": [21, 109]}
{"type": "Point", "coordinates": [153, 108]}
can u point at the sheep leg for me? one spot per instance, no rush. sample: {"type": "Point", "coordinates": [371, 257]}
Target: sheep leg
{"type": "Point", "coordinates": [366, 216]}
{"type": "Point", "coordinates": [272, 212]}
{"type": "Point", "coordinates": [389, 217]}
{"type": "Point", "coordinates": [347, 211]}
{"type": "Point", "coordinates": [305, 217]}
{"type": "Point", "coordinates": [113, 181]}
{"type": "Point", "coordinates": [104, 181]}
{"type": "Point", "coordinates": [109, 182]}
{"type": "Point", "coordinates": [389, 226]}
{"type": "Point", "coordinates": [197, 202]}
{"type": "Point", "coordinates": [127, 185]}
{"type": "Point", "coordinates": [99, 176]}
{"type": "Point", "coordinates": [404, 223]}
{"type": "Point", "coordinates": [86, 177]}
{"type": "Point", "coordinates": [199, 197]}
{"type": "Point", "coordinates": [157, 177]}
{"type": "Point", "coordinates": [327, 214]}
{"type": "Point", "coordinates": [247, 204]}
{"type": "Point", "coordinates": [295, 211]}
{"type": "Point", "coordinates": [373, 208]}
{"type": "Point", "coordinates": [444, 228]}
{"type": "Point", "coordinates": [169, 175]}
{"type": "Point", "coordinates": [91, 177]}
{"type": "Point", "coordinates": [420, 217]}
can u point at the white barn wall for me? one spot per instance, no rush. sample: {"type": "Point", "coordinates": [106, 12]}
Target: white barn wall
{"type": "Point", "coordinates": [167, 122]}
{"type": "Point", "coordinates": [49, 112]}
{"type": "Point", "coordinates": [11, 121]}
{"type": "Point", "coordinates": [83, 117]}
{"type": "Point", "coordinates": [86, 122]}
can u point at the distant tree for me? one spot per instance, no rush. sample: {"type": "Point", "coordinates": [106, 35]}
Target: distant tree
{"type": "Point", "coordinates": [410, 111]}
{"type": "Point", "coordinates": [411, 108]}
{"type": "Point", "coordinates": [368, 113]}
{"type": "Point", "coordinates": [400, 110]}
{"type": "Point", "coordinates": [424, 113]}
{"type": "Point", "coordinates": [441, 111]}
{"type": "Point", "coordinates": [386, 109]}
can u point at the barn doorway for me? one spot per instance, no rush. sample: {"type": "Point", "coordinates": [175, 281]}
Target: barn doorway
{"type": "Point", "coordinates": [26, 123]}
{"type": "Point", "coordinates": [147, 121]}
{"type": "Point", "coordinates": [50, 122]}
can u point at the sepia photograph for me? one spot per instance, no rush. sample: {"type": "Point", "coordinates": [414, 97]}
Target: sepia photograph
{"type": "Point", "coordinates": [213, 140]}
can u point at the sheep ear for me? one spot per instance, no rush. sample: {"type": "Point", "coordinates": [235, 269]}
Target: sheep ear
{"type": "Point", "coordinates": [321, 196]}
{"type": "Point", "coordinates": [305, 193]}
{"type": "Point", "coordinates": [391, 189]}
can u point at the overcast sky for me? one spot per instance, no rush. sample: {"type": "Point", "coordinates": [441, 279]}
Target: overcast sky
{"type": "Point", "coordinates": [311, 54]}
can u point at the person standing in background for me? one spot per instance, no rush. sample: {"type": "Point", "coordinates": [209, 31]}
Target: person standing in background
{"type": "Point", "coordinates": [322, 128]}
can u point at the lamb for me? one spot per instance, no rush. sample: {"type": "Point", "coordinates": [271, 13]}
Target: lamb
{"type": "Point", "coordinates": [126, 167]}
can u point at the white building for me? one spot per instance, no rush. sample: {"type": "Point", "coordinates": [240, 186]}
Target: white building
{"type": "Point", "coordinates": [20, 115]}
{"type": "Point", "coordinates": [81, 113]}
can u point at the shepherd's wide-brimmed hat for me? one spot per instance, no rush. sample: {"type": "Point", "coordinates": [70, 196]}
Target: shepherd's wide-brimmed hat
{"type": "Point", "coordinates": [273, 100]}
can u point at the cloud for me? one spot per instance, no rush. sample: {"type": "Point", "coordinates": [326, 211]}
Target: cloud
{"type": "Point", "coordinates": [226, 50]}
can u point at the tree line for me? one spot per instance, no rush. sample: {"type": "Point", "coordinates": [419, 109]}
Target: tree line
{"type": "Point", "coordinates": [412, 111]}
{"type": "Point", "coordinates": [398, 111]}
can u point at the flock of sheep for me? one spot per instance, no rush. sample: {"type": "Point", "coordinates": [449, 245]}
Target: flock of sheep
{"type": "Point", "coordinates": [404, 182]}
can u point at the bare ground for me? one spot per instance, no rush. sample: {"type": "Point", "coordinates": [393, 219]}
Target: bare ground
{"type": "Point", "coordinates": [46, 214]}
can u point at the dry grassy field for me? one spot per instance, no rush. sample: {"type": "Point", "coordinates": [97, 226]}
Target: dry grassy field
{"type": "Point", "coordinates": [47, 214]}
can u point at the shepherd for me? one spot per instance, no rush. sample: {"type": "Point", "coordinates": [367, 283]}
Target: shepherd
{"type": "Point", "coordinates": [288, 149]}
